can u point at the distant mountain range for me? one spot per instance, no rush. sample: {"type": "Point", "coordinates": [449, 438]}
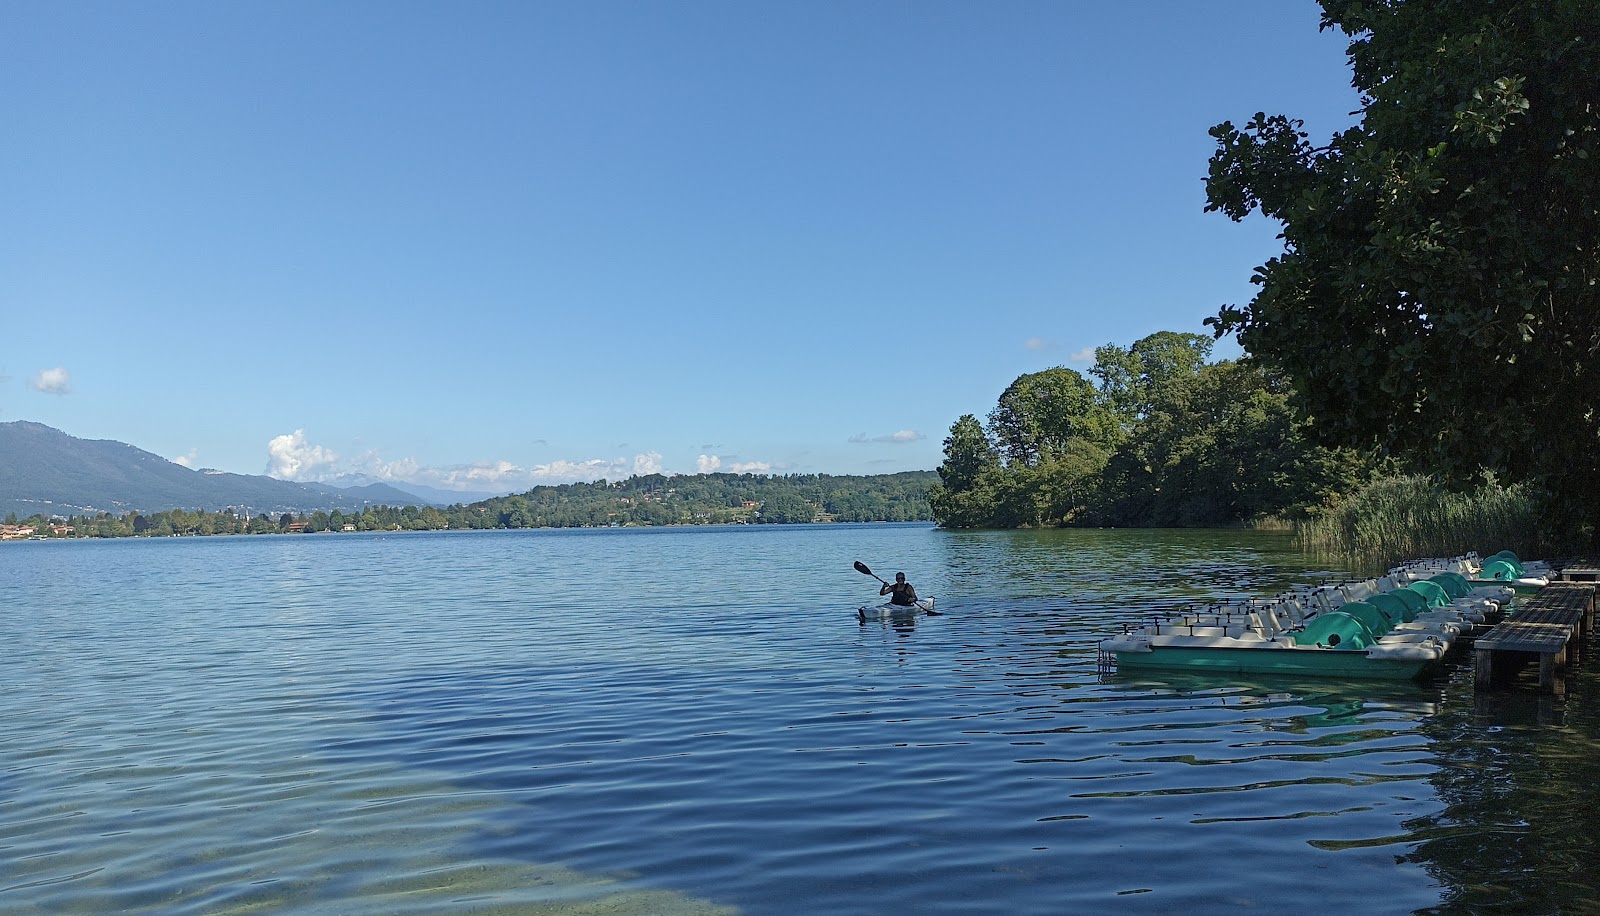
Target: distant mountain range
{"type": "Point", "coordinates": [433, 496]}
{"type": "Point", "coordinates": [44, 470]}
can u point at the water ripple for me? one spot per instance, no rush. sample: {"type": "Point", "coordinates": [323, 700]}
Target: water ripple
{"type": "Point", "coordinates": [580, 721]}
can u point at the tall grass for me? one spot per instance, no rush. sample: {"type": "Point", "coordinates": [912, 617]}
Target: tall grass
{"type": "Point", "coordinates": [1401, 518]}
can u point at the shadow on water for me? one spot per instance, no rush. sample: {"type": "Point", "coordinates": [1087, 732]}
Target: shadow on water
{"type": "Point", "coordinates": [1518, 831]}
{"type": "Point", "coordinates": [1127, 565]}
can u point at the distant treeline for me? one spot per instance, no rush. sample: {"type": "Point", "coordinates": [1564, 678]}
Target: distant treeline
{"type": "Point", "coordinates": [1159, 438]}
{"type": "Point", "coordinates": [654, 499]}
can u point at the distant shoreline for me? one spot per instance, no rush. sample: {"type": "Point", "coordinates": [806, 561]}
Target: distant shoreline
{"type": "Point", "coordinates": [393, 531]}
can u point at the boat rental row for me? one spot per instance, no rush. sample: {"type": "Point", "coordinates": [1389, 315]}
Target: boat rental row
{"type": "Point", "coordinates": [1395, 626]}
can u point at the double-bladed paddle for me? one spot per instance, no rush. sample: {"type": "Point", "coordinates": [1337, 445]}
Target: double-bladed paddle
{"type": "Point", "coordinates": [862, 568]}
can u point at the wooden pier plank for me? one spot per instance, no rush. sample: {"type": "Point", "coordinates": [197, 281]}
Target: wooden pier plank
{"type": "Point", "coordinates": [1552, 622]}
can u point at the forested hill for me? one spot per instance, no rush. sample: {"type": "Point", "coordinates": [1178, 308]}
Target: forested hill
{"type": "Point", "coordinates": [710, 499]}
{"type": "Point", "coordinates": [55, 483]}
{"type": "Point", "coordinates": [701, 499]}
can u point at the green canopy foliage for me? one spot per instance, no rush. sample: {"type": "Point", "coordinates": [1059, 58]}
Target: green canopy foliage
{"type": "Point", "coordinates": [1439, 291]}
{"type": "Point", "coordinates": [1166, 439]}
{"type": "Point", "coordinates": [1133, 379]}
{"type": "Point", "coordinates": [1040, 414]}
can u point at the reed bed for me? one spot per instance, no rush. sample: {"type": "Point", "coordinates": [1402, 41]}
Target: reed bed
{"type": "Point", "coordinates": [1401, 518]}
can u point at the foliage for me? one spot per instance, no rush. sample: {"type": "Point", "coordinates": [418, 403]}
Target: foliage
{"type": "Point", "coordinates": [968, 455]}
{"type": "Point", "coordinates": [964, 497]}
{"type": "Point", "coordinates": [1041, 414]}
{"type": "Point", "coordinates": [1134, 379]}
{"type": "Point", "coordinates": [1396, 518]}
{"type": "Point", "coordinates": [1166, 439]}
{"type": "Point", "coordinates": [1437, 295]}
{"type": "Point", "coordinates": [655, 499]}
{"type": "Point", "coordinates": [1219, 446]}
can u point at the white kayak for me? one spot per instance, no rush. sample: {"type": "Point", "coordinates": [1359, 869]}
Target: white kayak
{"type": "Point", "coordinates": [923, 605]}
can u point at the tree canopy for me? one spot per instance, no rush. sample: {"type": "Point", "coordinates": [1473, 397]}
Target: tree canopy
{"type": "Point", "coordinates": [1437, 294]}
{"type": "Point", "coordinates": [1165, 439]}
{"type": "Point", "coordinates": [1041, 413]}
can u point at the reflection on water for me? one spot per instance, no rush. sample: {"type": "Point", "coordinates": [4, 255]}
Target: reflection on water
{"type": "Point", "coordinates": [690, 720]}
{"type": "Point", "coordinates": [1516, 830]}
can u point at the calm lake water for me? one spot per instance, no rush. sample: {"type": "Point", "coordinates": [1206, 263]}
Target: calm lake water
{"type": "Point", "coordinates": [692, 720]}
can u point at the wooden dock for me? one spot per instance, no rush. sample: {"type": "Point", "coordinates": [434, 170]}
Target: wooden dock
{"type": "Point", "coordinates": [1551, 626]}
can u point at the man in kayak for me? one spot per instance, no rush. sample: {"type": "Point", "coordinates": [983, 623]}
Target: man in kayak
{"type": "Point", "coordinates": [901, 593]}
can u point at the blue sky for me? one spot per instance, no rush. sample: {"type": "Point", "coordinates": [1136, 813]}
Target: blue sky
{"type": "Point", "coordinates": [491, 245]}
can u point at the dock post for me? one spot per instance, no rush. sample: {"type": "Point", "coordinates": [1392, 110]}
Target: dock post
{"type": "Point", "coordinates": [1483, 669]}
{"type": "Point", "coordinates": [1551, 665]}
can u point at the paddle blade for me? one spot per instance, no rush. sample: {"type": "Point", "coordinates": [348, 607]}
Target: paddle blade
{"type": "Point", "coordinates": [862, 568]}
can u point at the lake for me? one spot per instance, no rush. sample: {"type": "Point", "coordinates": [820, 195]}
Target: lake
{"type": "Point", "coordinates": [691, 720]}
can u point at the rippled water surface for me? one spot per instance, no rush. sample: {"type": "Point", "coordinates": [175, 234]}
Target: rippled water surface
{"type": "Point", "coordinates": [692, 720]}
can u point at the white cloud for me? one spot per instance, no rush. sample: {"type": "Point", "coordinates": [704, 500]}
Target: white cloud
{"type": "Point", "coordinates": [50, 381]}
{"type": "Point", "coordinates": [563, 471]}
{"type": "Point", "coordinates": [648, 463]}
{"type": "Point", "coordinates": [1086, 355]}
{"type": "Point", "coordinates": [897, 437]}
{"type": "Point", "coordinates": [291, 457]}
{"type": "Point", "coordinates": [1039, 343]}
{"type": "Point", "coordinates": [707, 464]}
{"type": "Point", "coordinates": [188, 460]}
{"type": "Point", "coordinates": [750, 467]}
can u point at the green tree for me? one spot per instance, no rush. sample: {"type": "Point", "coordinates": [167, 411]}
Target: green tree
{"type": "Point", "coordinates": [964, 496]}
{"type": "Point", "coordinates": [1041, 412]}
{"type": "Point", "coordinates": [967, 454]}
{"type": "Point", "coordinates": [1439, 290]}
{"type": "Point", "coordinates": [786, 507]}
{"type": "Point", "coordinates": [1132, 379]}
{"type": "Point", "coordinates": [1068, 481]}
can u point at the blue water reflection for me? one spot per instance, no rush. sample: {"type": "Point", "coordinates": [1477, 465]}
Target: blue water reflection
{"type": "Point", "coordinates": [684, 720]}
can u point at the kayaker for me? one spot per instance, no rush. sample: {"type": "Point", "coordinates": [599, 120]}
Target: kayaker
{"type": "Point", "coordinates": [901, 593]}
